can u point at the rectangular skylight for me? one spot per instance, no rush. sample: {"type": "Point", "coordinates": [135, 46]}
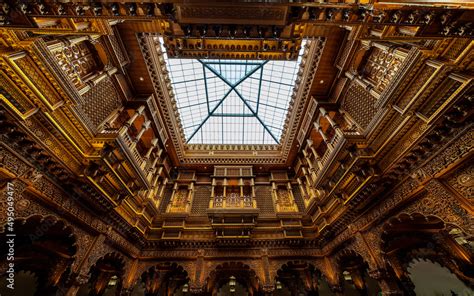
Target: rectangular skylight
{"type": "Point", "coordinates": [232, 101]}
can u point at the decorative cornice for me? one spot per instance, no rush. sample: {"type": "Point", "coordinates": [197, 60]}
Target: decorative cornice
{"type": "Point", "coordinates": [179, 247]}
{"type": "Point", "coordinates": [155, 67]}
{"type": "Point", "coordinates": [232, 147]}
{"type": "Point", "coordinates": [302, 93]}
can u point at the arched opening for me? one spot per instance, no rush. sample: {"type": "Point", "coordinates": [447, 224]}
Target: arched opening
{"type": "Point", "coordinates": [430, 278]}
{"type": "Point", "coordinates": [299, 278]}
{"type": "Point", "coordinates": [105, 277]}
{"type": "Point", "coordinates": [44, 249]}
{"type": "Point", "coordinates": [165, 279]}
{"type": "Point", "coordinates": [356, 280]}
{"type": "Point", "coordinates": [234, 278]}
{"type": "Point", "coordinates": [408, 238]}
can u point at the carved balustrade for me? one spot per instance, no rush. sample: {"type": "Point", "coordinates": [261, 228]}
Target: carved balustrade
{"type": "Point", "coordinates": [122, 166]}
{"type": "Point", "coordinates": [232, 205]}
{"type": "Point", "coordinates": [232, 201]}
{"type": "Point", "coordinates": [232, 188]}
{"type": "Point", "coordinates": [142, 164]}
{"type": "Point", "coordinates": [337, 150]}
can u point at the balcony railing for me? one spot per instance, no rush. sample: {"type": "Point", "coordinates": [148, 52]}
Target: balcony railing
{"type": "Point", "coordinates": [320, 166]}
{"type": "Point", "coordinates": [233, 201]}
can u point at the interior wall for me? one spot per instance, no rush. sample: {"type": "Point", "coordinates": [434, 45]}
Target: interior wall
{"type": "Point", "coordinates": [431, 279]}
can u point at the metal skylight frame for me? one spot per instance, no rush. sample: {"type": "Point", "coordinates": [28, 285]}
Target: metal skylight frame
{"type": "Point", "coordinates": [233, 88]}
{"type": "Point", "coordinates": [214, 96]}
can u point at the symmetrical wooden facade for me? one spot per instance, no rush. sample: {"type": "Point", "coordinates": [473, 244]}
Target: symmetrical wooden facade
{"type": "Point", "coordinates": [374, 168]}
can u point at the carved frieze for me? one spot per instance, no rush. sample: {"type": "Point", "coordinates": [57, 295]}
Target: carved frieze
{"type": "Point", "coordinates": [463, 180]}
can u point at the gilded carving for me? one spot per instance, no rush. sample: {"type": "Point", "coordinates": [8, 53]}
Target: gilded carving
{"type": "Point", "coordinates": [99, 102]}
{"type": "Point", "coordinates": [77, 62]}
{"type": "Point", "coordinates": [179, 201]}
{"type": "Point", "coordinates": [87, 137]}
{"type": "Point", "coordinates": [360, 104]}
{"type": "Point", "coordinates": [381, 67]}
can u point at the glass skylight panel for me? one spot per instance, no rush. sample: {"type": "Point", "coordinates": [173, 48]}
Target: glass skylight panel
{"type": "Point", "coordinates": [232, 101]}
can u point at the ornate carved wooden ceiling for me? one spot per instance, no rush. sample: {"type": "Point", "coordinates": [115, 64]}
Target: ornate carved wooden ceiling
{"type": "Point", "coordinates": [377, 89]}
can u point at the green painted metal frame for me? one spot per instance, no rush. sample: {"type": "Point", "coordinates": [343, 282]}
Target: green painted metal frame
{"type": "Point", "coordinates": [233, 87]}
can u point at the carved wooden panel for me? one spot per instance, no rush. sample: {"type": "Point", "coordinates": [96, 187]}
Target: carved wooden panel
{"type": "Point", "coordinates": [411, 135]}
{"type": "Point", "coordinates": [263, 195]}
{"type": "Point", "coordinates": [8, 161]}
{"type": "Point", "coordinates": [415, 86]}
{"type": "Point", "coordinates": [443, 94]}
{"type": "Point", "coordinates": [299, 199]}
{"type": "Point", "coordinates": [285, 200]}
{"type": "Point", "coordinates": [179, 201]}
{"type": "Point", "coordinates": [14, 96]}
{"type": "Point", "coordinates": [390, 122]}
{"type": "Point", "coordinates": [202, 195]}
{"type": "Point", "coordinates": [345, 50]}
{"type": "Point", "coordinates": [118, 48]}
{"type": "Point", "coordinates": [360, 104]}
{"type": "Point", "coordinates": [442, 204]}
{"type": "Point", "coordinates": [51, 143]}
{"type": "Point", "coordinates": [462, 180]}
{"type": "Point", "coordinates": [100, 101]}
{"type": "Point", "coordinates": [35, 79]}
{"type": "Point", "coordinates": [457, 150]}
{"type": "Point", "coordinates": [166, 198]}
{"type": "Point", "coordinates": [456, 47]}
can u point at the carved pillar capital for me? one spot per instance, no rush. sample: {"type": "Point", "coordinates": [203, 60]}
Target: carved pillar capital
{"type": "Point", "coordinates": [378, 274]}
{"type": "Point", "coordinates": [73, 283]}
{"type": "Point", "coordinates": [82, 279]}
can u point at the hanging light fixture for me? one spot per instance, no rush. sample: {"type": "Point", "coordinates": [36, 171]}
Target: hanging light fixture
{"type": "Point", "coordinates": [278, 285]}
{"type": "Point", "coordinates": [185, 288]}
{"type": "Point", "coordinates": [347, 275]}
{"type": "Point", "coordinates": [113, 281]}
{"type": "Point", "coordinates": [232, 283]}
